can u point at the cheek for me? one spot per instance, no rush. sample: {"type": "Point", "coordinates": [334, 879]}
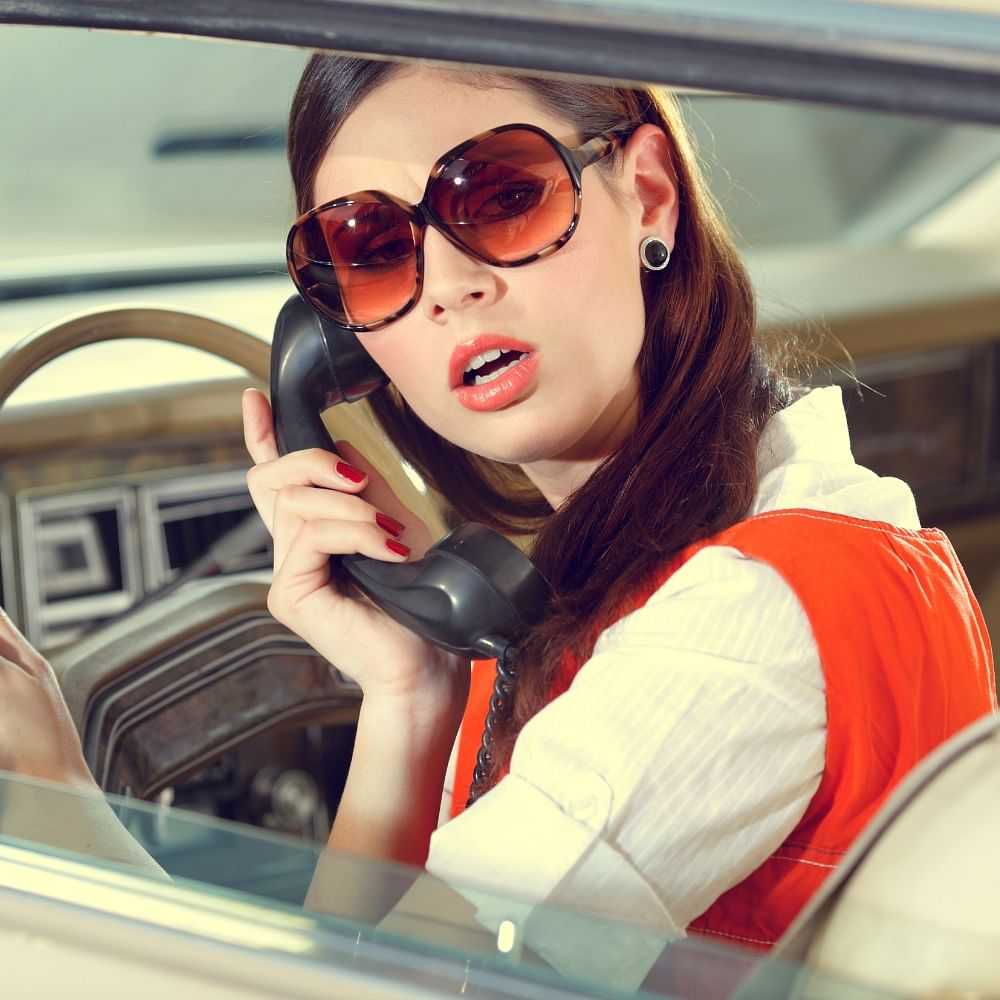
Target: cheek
{"type": "Point", "coordinates": [590, 292]}
{"type": "Point", "coordinates": [415, 368]}
{"type": "Point", "coordinates": [396, 352]}
{"type": "Point", "coordinates": [599, 261]}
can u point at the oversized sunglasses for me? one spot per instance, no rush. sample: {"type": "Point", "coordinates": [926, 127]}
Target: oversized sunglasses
{"type": "Point", "coordinates": [506, 197]}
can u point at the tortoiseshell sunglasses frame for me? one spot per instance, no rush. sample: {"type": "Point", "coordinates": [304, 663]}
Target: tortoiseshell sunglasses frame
{"type": "Point", "coordinates": [421, 215]}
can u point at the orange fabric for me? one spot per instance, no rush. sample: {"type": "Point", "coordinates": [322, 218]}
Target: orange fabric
{"type": "Point", "coordinates": [907, 663]}
{"type": "Point", "coordinates": [470, 736]}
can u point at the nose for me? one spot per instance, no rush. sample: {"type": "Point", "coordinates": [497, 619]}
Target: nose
{"type": "Point", "coordinates": [454, 280]}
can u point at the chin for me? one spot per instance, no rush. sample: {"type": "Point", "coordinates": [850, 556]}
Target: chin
{"type": "Point", "coordinates": [521, 446]}
{"type": "Point", "coordinates": [519, 434]}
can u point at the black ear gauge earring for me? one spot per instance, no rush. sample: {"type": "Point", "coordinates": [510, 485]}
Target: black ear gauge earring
{"type": "Point", "coordinates": [654, 253]}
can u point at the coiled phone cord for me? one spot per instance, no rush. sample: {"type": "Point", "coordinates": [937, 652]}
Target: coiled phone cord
{"type": "Point", "coordinates": [500, 704]}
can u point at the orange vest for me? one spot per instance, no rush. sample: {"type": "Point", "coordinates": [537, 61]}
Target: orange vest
{"type": "Point", "coordinates": [906, 660]}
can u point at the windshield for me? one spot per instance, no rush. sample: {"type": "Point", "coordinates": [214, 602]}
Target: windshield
{"type": "Point", "coordinates": [174, 145]}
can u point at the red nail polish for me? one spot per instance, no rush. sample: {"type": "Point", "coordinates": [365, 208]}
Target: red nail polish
{"type": "Point", "coordinates": [398, 547]}
{"type": "Point", "coordinates": [389, 524]}
{"type": "Point", "coordinates": [349, 472]}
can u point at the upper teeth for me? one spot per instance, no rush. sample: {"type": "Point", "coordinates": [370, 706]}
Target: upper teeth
{"type": "Point", "coordinates": [481, 359]}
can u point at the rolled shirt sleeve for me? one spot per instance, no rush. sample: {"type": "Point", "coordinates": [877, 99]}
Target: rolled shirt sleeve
{"type": "Point", "coordinates": [686, 750]}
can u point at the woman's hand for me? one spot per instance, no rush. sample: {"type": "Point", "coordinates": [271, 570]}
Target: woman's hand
{"type": "Point", "coordinates": [37, 735]}
{"type": "Point", "coordinates": [318, 503]}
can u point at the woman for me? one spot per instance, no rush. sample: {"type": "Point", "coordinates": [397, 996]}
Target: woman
{"type": "Point", "coordinates": [752, 638]}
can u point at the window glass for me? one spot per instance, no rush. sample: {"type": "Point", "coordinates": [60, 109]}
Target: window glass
{"type": "Point", "coordinates": [178, 871]}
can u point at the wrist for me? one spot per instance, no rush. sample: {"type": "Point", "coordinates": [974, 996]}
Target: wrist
{"type": "Point", "coordinates": [438, 698]}
{"type": "Point", "coordinates": [392, 799]}
{"type": "Point", "coordinates": [83, 781]}
{"type": "Point", "coordinates": [413, 722]}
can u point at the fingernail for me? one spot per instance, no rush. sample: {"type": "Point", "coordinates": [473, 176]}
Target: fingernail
{"type": "Point", "coordinates": [398, 547]}
{"type": "Point", "coordinates": [389, 524]}
{"type": "Point", "coordinates": [348, 472]}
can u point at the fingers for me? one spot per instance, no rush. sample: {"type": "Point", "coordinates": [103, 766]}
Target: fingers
{"type": "Point", "coordinates": [295, 504]}
{"type": "Point", "coordinates": [311, 467]}
{"type": "Point", "coordinates": [377, 490]}
{"type": "Point", "coordinates": [258, 427]}
{"type": "Point", "coordinates": [305, 567]}
{"type": "Point", "coordinates": [314, 484]}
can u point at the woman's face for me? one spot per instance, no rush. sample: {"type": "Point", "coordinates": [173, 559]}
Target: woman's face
{"type": "Point", "coordinates": [579, 310]}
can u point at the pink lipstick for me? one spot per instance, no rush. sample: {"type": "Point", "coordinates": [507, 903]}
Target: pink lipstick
{"type": "Point", "coordinates": [492, 371]}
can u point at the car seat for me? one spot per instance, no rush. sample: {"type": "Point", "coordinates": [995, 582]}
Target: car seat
{"type": "Point", "coordinates": [914, 907]}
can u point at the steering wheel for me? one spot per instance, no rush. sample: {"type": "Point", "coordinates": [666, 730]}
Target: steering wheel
{"type": "Point", "coordinates": [160, 692]}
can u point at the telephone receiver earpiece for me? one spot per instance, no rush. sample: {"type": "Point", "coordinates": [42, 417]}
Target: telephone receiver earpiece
{"type": "Point", "coordinates": [472, 593]}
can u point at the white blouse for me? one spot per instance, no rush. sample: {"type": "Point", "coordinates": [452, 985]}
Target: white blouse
{"type": "Point", "coordinates": [690, 743]}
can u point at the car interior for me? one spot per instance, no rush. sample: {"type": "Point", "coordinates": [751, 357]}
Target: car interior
{"type": "Point", "coordinates": [132, 319]}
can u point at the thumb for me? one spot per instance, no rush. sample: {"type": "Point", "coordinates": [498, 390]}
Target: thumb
{"type": "Point", "coordinates": [258, 427]}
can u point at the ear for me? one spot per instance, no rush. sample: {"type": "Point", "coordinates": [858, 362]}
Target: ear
{"type": "Point", "coordinates": [648, 179]}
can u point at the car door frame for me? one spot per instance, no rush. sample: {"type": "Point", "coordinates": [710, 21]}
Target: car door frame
{"type": "Point", "coordinates": [916, 60]}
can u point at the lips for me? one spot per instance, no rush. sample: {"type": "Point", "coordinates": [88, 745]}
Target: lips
{"type": "Point", "coordinates": [464, 353]}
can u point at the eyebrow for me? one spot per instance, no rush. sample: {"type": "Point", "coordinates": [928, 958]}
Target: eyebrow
{"type": "Point", "coordinates": [315, 202]}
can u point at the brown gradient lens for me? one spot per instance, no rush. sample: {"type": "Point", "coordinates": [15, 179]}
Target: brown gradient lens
{"type": "Point", "coordinates": [507, 197]}
{"type": "Point", "coordinates": [357, 261]}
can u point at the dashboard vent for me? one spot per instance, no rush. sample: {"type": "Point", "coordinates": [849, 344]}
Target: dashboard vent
{"type": "Point", "coordinates": [79, 559]}
{"type": "Point", "coordinates": [185, 516]}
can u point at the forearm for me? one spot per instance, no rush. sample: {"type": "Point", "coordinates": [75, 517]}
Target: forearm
{"type": "Point", "coordinates": [391, 801]}
{"type": "Point", "coordinates": [389, 808]}
{"type": "Point", "coordinates": [372, 872]}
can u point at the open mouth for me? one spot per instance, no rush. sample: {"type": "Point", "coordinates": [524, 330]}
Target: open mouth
{"type": "Point", "coordinates": [490, 365]}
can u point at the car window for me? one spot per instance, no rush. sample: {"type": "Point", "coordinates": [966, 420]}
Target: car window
{"type": "Point", "coordinates": [179, 176]}
{"type": "Point", "coordinates": [178, 145]}
{"type": "Point", "coordinates": [178, 870]}
{"type": "Point", "coordinates": [149, 169]}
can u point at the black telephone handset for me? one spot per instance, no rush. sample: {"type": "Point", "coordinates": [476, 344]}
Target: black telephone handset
{"type": "Point", "coordinates": [474, 592]}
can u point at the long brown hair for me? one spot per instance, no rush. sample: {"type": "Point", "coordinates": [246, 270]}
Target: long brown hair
{"type": "Point", "coordinates": [689, 468]}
